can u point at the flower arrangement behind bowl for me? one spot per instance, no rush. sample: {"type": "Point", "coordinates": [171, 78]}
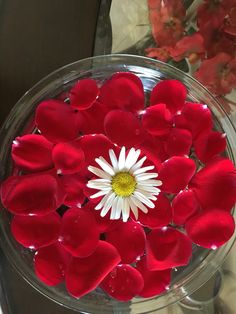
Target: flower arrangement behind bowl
{"type": "Point", "coordinates": [112, 192]}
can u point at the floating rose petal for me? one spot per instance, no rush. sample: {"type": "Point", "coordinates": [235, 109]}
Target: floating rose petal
{"type": "Point", "coordinates": [157, 120]}
{"type": "Point", "coordinates": [153, 148]}
{"type": "Point", "coordinates": [36, 194]}
{"type": "Point", "coordinates": [74, 186]}
{"type": "Point", "coordinates": [167, 248]}
{"type": "Point", "coordinates": [36, 231]}
{"type": "Point", "coordinates": [51, 263]}
{"type": "Point", "coordinates": [184, 205]}
{"type": "Point", "coordinates": [79, 233]}
{"type": "Point", "coordinates": [211, 228]}
{"type": "Point", "coordinates": [32, 152]}
{"type": "Point", "coordinates": [129, 240]}
{"type": "Point", "coordinates": [57, 121]}
{"type": "Point", "coordinates": [93, 118]}
{"type": "Point", "coordinates": [123, 90]}
{"type": "Point", "coordinates": [68, 158]}
{"type": "Point", "coordinates": [178, 142]}
{"type": "Point", "coordinates": [215, 184]}
{"type": "Point", "coordinates": [170, 92]}
{"type": "Point", "coordinates": [208, 146]}
{"type": "Point", "coordinates": [123, 128]}
{"type": "Point", "coordinates": [196, 118]}
{"type": "Point", "coordinates": [88, 192]}
{"type": "Point", "coordinates": [103, 223]}
{"type": "Point", "coordinates": [155, 282]}
{"type": "Point", "coordinates": [84, 93]}
{"type": "Point", "coordinates": [159, 216]}
{"type": "Point", "coordinates": [123, 283]}
{"type": "Point", "coordinates": [94, 146]}
{"type": "Point", "coordinates": [85, 274]}
{"type": "Point", "coordinates": [175, 173]}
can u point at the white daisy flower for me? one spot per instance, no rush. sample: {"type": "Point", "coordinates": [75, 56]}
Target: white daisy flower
{"type": "Point", "coordinates": [124, 184]}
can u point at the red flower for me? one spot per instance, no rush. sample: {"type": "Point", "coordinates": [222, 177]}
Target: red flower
{"type": "Point", "coordinates": [188, 46]}
{"type": "Point", "coordinates": [218, 73]}
{"type": "Point", "coordinates": [167, 27]}
{"type": "Point", "coordinates": [80, 173]}
{"type": "Point", "coordinates": [161, 53]}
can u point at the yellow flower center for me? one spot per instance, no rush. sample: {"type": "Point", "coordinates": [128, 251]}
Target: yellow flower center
{"type": "Point", "coordinates": [123, 184]}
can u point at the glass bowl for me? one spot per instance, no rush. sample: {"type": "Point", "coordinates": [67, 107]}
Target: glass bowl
{"type": "Point", "coordinates": [185, 280]}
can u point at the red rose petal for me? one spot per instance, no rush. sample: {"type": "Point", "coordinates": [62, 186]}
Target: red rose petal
{"type": "Point", "coordinates": [153, 148]}
{"type": "Point", "coordinates": [211, 229]}
{"type": "Point", "coordinates": [159, 216]}
{"type": "Point", "coordinates": [215, 184]}
{"type": "Point", "coordinates": [103, 223]}
{"type": "Point", "coordinates": [178, 142]}
{"type": "Point", "coordinates": [94, 146]}
{"type": "Point", "coordinates": [208, 146]}
{"type": "Point", "coordinates": [167, 248]}
{"type": "Point", "coordinates": [57, 121]}
{"type": "Point", "coordinates": [155, 282]}
{"type": "Point", "coordinates": [84, 93]}
{"type": "Point", "coordinates": [123, 283]}
{"type": "Point", "coordinates": [85, 274]}
{"type": "Point", "coordinates": [51, 263]}
{"type": "Point", "coordinates": [123, 128]}
{"type": "Point", "coordinates": [170, 92]}
{"type": "Point", "coordinates": [89, 192]}
{"type": "Point", "coordinates": [79, 233]}
{"type": "Point", "coordinates": [123, 90]}
{"type": "Point", "coordinates": [157, 120]}
{"type": "Point", "coordinates": [37, 194]}
{"type": "Point", "coordinates": [175, 173]}
{"type": "Point", "coordinates": [32, 152]}
{"type": "Point", "coordinates": [129, 240]}
{"type": "Point", "coordinates": [74, 187]}
{"type": "Point", "coordinates": [36, 231]}
{"type": "Point", "coordinates": [68, 158]}
{"type": "Point", "coordinates": [93, 118]}
{"type": "Point", "coordinates": [184, 205]}
{"type": "Point", "coordinates": [196, 118]}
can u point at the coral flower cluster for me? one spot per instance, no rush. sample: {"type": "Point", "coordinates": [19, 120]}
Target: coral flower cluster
{"type": "Point", "coordinates": [112, 191]}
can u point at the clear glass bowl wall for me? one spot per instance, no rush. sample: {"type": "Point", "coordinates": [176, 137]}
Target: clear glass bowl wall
{"type": "Point", "coordinates": [20, 121]}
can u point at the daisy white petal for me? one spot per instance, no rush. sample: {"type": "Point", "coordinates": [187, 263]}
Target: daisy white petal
{"type": "Point", "coordinates": [132, 158]}
{"type": "Point", "coordinates": [100, 181]}
{"type": "Point", "coordinates": [139, 204]}
{"type": "Point", "coordinates": [138, 164]}
{"type": "Point", "coordinates": [98, 185]}
{"type": "Point", "coordinates": [133, 208]}
{"type": "Point", "coordinates": [103, 200]}
{"type": "Point", "coordinates": [98, 172]}
{"type": "Point", "coordinates": [108, 205]}
{"type": "Point", "coordinates": [145, 176]}
{"type": "Point", "coordinates": [105, 165]}
{"type": "Point", "coordinates": [101, 193]}
{"type": "Point", "coordinates": [152, 182]}
{"type": "Point", "coordinates": [125, 210]}
{"type": "Point", "coordinates": [113, 159]}
{"type": "Point", "coordinates": [121, 161]}
{"type": "Point", "coordinates": [144, 169]}
{"type": "Point", "coordinates": [119, 206]}
{"type": "Point", "coordinates": [116, 211]}
{"type": "Point", "coordinates": [144, 199]}
{"type": "Point", "coordinates": [149, 189]}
